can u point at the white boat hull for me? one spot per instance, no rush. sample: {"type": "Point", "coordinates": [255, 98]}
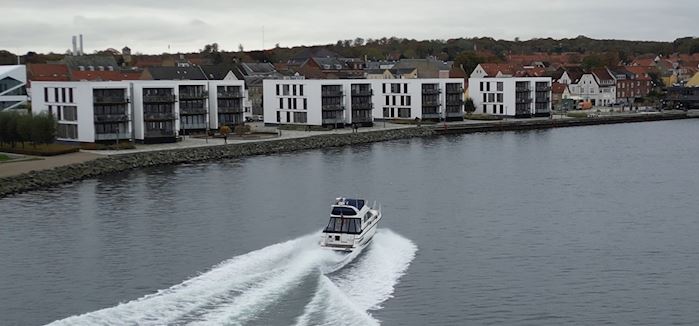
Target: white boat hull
{"type": "Point", "coordinates": [350, 242]}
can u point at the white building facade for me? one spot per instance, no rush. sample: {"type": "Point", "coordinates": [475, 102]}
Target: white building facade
{"type": "Point", "coordinates": [144, 111]}
{"type": "Point", "coordinates": [344, 102]}
{"type": "Point", "coordinates": [518, 97]}
{"type": "Point", "coordinates": [13, 87]}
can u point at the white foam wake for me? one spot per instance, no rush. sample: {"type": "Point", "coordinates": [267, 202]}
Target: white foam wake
{"type": "Point", "coordinates": [346, 297]}
{"type": "Point", "coordinates": [238, 290]}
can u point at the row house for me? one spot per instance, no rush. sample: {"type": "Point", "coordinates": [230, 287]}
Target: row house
{"type": "Point", "coordinates": [141, 111]}
{"type": "Point", "coordinates": [630, 86]}
{"type": "Point", "coordinates": [342, 102]}
{"type": "Point", "coordinates": [518, 97]}
{"type": "Point", "coordinates": [13, 87]}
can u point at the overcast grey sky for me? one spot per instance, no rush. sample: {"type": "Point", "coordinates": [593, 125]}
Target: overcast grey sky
{"type": "Point", "coordinates": [149, 26]}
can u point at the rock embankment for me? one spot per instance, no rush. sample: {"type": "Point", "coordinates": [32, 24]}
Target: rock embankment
{"type": "Point", "coordinates": [36, 180]}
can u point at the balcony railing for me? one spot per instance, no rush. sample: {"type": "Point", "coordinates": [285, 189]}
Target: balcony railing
{"type": "Point", "coordinates": [455, 90]}
{"type": "Point", "coordinates": [523, 100]}
{"type": "Point", "coordinates": [454, 109]}
{"type": "Point", "coordinates": [431, 91]}
{"type": "Point", "coordinates": [194, 96]}
{"type": "Point", "coordinates": [362, 106]}
{"type": "Point", "coordinates": [113, 136]}
{"type": "Point", "coordinates": [543, 88]}
{"type": "Point", "coordinates": [110, 100]}
{"type": "Point", "coordinates": [192, 111]}
{"type": "Point", "coordinates": [455, 102]}
{"type": "Point", "coordinates": [159, 133]}
{"type": "Point", "coordinates": [158, 98]}
{"type": "Point", "coordinates": [367, 92]}
{"type": "Point", "coordinates": [333, 107]}
{"type": "Point", "coordinates": [333, 120]}
{"type": "Point", "coordinates": [336, 93]}
{"type": "Point", "coordinates": [523, 89]}
{"type": "Point", "coordinates": [454, 114]}
{"type": "Point", "coordinates": [158, 116]}
{"type": "Point", "coordinates": [201, 125]}
{"type": "Point", "coordinates": [230, 109]}
{"type": "Point", "coordinates": [111, 117]}
{"type": "Point", "coordinates": [229, 94]}
{"type": "Point", "coordinates": [543, 100]}
{"type": "Point", "coordinates": [430, 103]}
{"type": "Point", "coordinates": [361, 119]}
{"type": "Point", "coordinates": [431, 115]}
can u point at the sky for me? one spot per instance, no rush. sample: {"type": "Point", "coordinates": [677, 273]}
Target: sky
{"type": "Point", "coordinates": [157, 26]}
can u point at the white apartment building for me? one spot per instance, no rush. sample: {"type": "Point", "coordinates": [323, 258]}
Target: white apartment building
{"type": "Point", "coordinates": [146, 111]}
{"type": "Point", "coordinates": [343, 102]}
{"type": "Point", "coordinates": [13, 81]}
{"type": "Point", "coordinates": [519, 97]}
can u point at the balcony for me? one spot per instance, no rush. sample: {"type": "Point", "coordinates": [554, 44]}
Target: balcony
{"type": "Point", "coordinates": [189, 126]}
{"type": "Point", "coordinates": [333, 107]}
{"type": "Point", "coordinates": [455, 114]}
{"type": "Point", "coordinates": [543, 100]}
{"type": "Point", "coordinates": [430, 103]}
{"type": "Point", "coordinates": [455, 90]}
{"type": "Point", "coordinates": [111, 118]}
{"type": "Point", "coordinates": [362, 106]}
{"type": "Point", "coordinates": [230, 109]}
{"type": "Point", "coordinates": [431, 91]}
{"type": "Point", "coordinates": [332, 93]}
{"type": "Point", "coordinates": [157, 133]}
{"type": "Point", "coordinates": [110, 100]}
{"type": "Point", "coordinates": [113, 136]}
{"type": "Point", "coordinates": [363, 92]}
{"type": "Point", "coordinates": [192, 111]}
{"type": "Point", "coordinates": [147, 98]}
{"type": "Point", "coordinates": [523, 100]}
{"type": "Point", "coordinates": [158, 116]}
{"type": "Point", "coordinates": [329, 121]}
{"type": "Point", "coordinates": [431, 115]}
{"type": "Point", "coordinates": [229, 94]}
{"type": "Point", "coordinates": [360, 119]}
{"type": "Point", "coordinates": [543, 88]}
{"type": "Point", "coordinates": [455, 102]}
{"type": "Point", "coordinates": [194, 96]}
{"type": "Point", "coordinates": [522, 89]}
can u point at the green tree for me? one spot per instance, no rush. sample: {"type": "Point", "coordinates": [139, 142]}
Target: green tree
{"type": "Point", "coordinates": [469, 107]}
{"type": "Point", "coordinates": [24, 128]}
{"type": "Point", "coordinates": [43, 129]}
{"type": "Point", "coordinates": [468, 61]}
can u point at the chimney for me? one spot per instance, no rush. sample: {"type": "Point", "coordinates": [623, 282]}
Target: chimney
{"type": "Point", "coordinates": [81, 45]}
{"type": "Point", "coordinates": [75, 46]}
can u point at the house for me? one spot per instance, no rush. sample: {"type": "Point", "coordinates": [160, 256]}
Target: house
{"type": "Point", "coordinates": [47, 72]}
{"type": "Point", "coordinates": [341, 102]}
{"type": "Point", "coordinates": [330, 68]}
{"type": "Point", "coordinates": [484, 70]}
{"type": "Point", "coordinates": [254, 74]}
{"type": "Point", "coordinates": [219, 72]}
{"type": "Point", "coordinates": [518, 97]}
{"type": "Point", "coordinates": [390, 73]}
{"type": "Point", "coordinates": [630, 86]}
{"type": "Point", "coordinates": [426, 68]}
{"type": "Point", "coordinates": [77, 75]}
{"type": "Point", "coordinates": [13, 87]}
{"type": "Point", "coordinates": [146, 111]}
{"type": "Point", "coordinates": [559, 92]}
{"type": "Point", "coordinates": [90, 63]}
{"type": "Point", "coordinates": [607, 87]}
{"type": "Point", "coordinates": [173, 73]}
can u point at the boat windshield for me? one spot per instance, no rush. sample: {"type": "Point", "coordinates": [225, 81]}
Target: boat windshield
{"type": "Point", "coordinates": [358, 203]}
{"type": "Point", "coordinates": [343, 211]}
{"type": "Point", "coordinates": [344, 225]}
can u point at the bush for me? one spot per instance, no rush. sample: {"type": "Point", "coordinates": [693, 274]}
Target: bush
{"type": "Point", "coordinates": [576, 114]}
{"type": "Point", "coordinates": [481, 116]}
{"type": "Point", "coordinates": [14, 128]}
{"type": "Point", "coordinates": [241, 129]}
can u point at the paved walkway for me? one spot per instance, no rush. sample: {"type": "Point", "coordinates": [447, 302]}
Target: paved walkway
{"type": "Point", "coordinates": [43, 163]}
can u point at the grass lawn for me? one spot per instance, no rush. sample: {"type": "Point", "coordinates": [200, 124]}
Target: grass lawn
{"type": "Point", "coordinates": [39, 150]}
{"type": "Point", "coordinates": [4, 157]}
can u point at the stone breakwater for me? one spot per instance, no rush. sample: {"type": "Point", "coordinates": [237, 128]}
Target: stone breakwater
{"type": "Point", "coordinates": [36, 180]}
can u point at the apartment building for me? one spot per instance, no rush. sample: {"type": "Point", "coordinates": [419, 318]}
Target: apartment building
{"type": "Point", "coordinates": [342, 102]}
{"type": "Point", "coordinates": [518, 97]}
{"type": "Point", "coordinates": [13, 90]}
{"type": "Point", "coordinates": [141, 111]}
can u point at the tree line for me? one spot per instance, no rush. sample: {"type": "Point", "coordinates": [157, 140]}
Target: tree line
{"type": "Point", "coordinates": [18, 128]}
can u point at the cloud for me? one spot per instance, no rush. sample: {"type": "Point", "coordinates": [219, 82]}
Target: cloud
{"type": "Point", "coordinates": [150, 26]}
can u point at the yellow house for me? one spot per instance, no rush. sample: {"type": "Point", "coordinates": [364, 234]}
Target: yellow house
{"type": "Point", "coordinates": [694, 81]}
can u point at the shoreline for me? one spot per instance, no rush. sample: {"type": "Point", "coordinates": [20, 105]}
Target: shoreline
{"type": "Point", "coordinates": [43, 179]}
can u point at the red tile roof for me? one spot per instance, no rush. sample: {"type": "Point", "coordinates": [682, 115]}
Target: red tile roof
{"type": "Point", "coordinates": [492, 69]}
{"type": "Point", "coordinates": [558, 88]}
{"type": "Point", "coordinates": [47, 72]}
{"type": "Point", "coordinates": [105, 75]}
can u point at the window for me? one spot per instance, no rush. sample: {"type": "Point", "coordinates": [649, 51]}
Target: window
{"type": "Point", "coordinates": [288, 117]}
{"type": "Point", "coordinates": [487, 86]}
{"type": "Point", "coordinates": [300, 117]}
{"type": "Point", "coordinates": [285, 90]}
{"type": "Point", "coordinates": [405, 88]}
{"type": "Point", "coordinates": [494, 109]}
{"type": "Point", "coordinates": [393, 112]}
{"type": "Point", "coordinates": [278, 117]}
{"type": "Point", "coordinates": [501, 109]}
{"type": "Point", "coordinates": [277, 89]}
{"type": "Point", "coordinates": [305, 104]}
{"type": "Point", "coordinates": [402, 101]}
{"type": "Point", "coordinates": [485, 97]}
{"type": "Point", "coordinates": [294, 90]}
{"type": "Point", "coordinates": [404, 113]}
{"type": "Point", "coordinates": [491, 97]}
{"type": "Point", "coordinates": [295, 104]}
{"type": "Point", "coordinates": [55, 94]}
{"type": "Point", "coordinates": [485, 108]}
{"type": "Point", "coordinates": [63, 95]}
{"type": "Point", "coordinates": [70, 95]}
{"type": "Point", "coordinates": [67, 131]}
{"type": "Point", "coordinates": [385, 112]}
{"type": "Point", "coordinates": [388, 100]}
{"type": "Point", "coordinates": [407, 100]}
{"type": "Point", "coordinates": [281, 103]}
{"type": "Point", "coordinates": [301, 90]}
{"type": "Point", "coordinates": [499, 97]}
{"type": "Point", "coordinates": [394, 100]}
{"type": "Point", "coordinates": [481, 86]}
{"type": "Point", "coordinates": [290, 105]}
{"type": "Point", "coordinates": [384, 88]}
{"type": "Point", "coordinates": [70, 113]}
{"type": "Point", "coordinates": [46, 94]}
{"type": "Point", "coordinates": [500, 86]}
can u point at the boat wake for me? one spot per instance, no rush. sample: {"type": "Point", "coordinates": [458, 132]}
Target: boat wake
{"type": "Point", "coordinates": [240, 290]}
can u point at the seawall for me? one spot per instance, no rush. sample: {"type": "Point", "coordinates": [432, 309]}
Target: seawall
{"type": "Point", "coordinates": [43, 179]}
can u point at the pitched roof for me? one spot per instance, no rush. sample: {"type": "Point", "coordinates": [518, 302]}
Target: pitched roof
{"type": "Point", "coordinates": [257, 68]}
{"type": "Point", "coordinates": [558, 88]}
{"type": "Point", "coordinates": [492, 69]}
{"type": "Point", "coordinates": [530, 72]}
{"type": "Point", "coordinates": [217, 72]}
{"type": "Point", "coordinates": [75, 62]}
{"type": "Point", "coordinates": [106, 75]}
{"type": "Point", "coordinates": [602, 74]}
{"type": "Point", "coordinates": [47, 72]}
{"type": "Point", "coordinates": [426, 68]}
{"type": "Point", "coordinates": [176, 73]}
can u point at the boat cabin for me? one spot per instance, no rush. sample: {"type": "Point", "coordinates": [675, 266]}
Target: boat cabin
{"type": "Point", "coordinates": [347, 216]}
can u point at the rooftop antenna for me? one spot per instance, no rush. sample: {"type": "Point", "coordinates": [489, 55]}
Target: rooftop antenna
{"type": "Point", "coordinates": [263, 37]}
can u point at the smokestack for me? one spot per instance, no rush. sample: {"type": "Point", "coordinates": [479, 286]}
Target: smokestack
{"type": "Point", "coordinates": [75, 45]}
{"type": "Point", "coordinates": [81, 45]}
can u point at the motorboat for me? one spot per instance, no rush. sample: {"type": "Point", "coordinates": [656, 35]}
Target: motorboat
{"type": "Point", "coordinates": [352, 225]}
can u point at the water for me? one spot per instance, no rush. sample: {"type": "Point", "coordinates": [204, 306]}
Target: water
{"type": "Point", "coordinates": [591, 225]}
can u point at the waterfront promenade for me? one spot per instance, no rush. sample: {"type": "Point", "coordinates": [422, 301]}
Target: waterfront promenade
{"type": "Point", "coordinates": [271, 134]}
